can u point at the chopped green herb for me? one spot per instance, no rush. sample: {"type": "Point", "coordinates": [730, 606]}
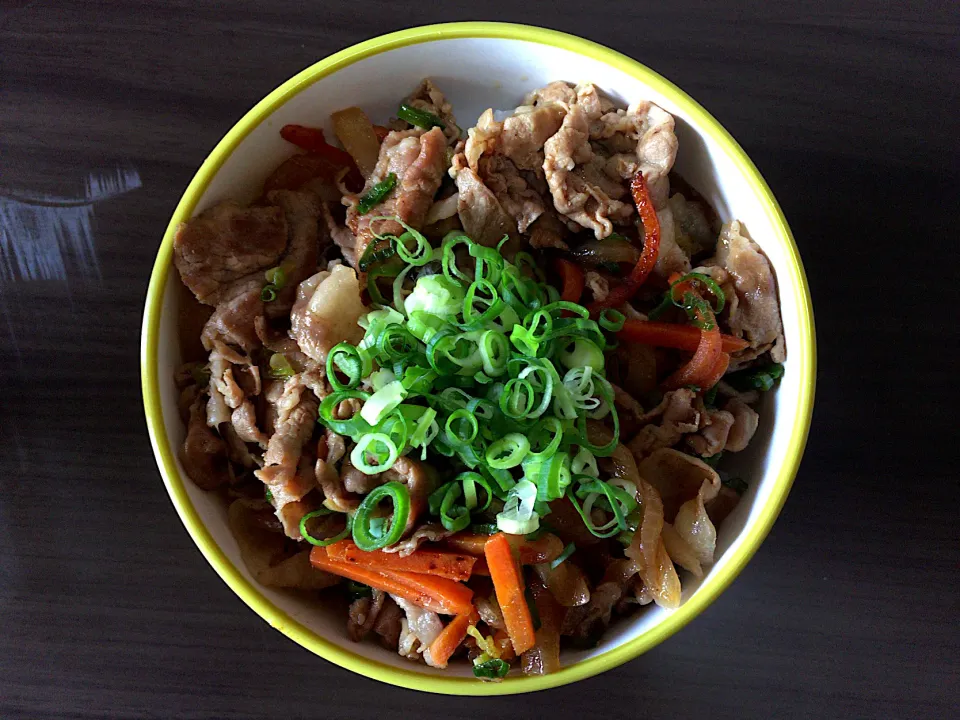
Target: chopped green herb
{"type": "Point", "coordinates": [493, 669]}
{"type": "Point", "coordinates": [376, 194]}
{"type": "Point", "coordinates": [268, 496]}
{"type": "Point", "coordinates": [356, 590]}
{"type": "Point", "coordinates": [761, 378]}
{"type": "Point", "coordinates": [280, 367]}
{"type": "Point", "coordinates": [712, 460]}
{"type": "Point", "coordinates": [734, 483]}
{"type": "Point", "coordinates": [269, 293]}
{"type": "Point", "coordinates": [375, 252]}
{"type": "Point", "coordinates": [276, 277]}
{"type": "Point", "coordinates": [420, 118]}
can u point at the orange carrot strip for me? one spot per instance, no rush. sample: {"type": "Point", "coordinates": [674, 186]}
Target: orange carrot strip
{"type": "Point", "coordinates": [573, 280]}
{"type": "Point", "coordinates": [700, 367]}
{"type": "Point", "coordinates": [436, 594]}
{"type": "Point", "coordinates": [508, 584]}
{"type": "Point", "coordinates": [681, 337]}
{"type": "Point", "coordinates": [453, 565]}
{"type": "Point", "coordinates": [449, 639]}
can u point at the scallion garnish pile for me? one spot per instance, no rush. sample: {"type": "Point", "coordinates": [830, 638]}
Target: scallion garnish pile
{"type": "Point", "coordinates": [488, 368]}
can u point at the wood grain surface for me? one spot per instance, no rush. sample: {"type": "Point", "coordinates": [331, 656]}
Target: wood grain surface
{"type": "Point", "coordinates": [850, 609]}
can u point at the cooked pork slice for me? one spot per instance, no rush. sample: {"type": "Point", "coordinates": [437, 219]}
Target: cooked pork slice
{"type": "Point", "coordinates": [282, 472]}
{"type": "Point", "coordinates": [418, 159]}
{"type": "Point", "coordinates": [326, 312]}
{"type": "Point", "coordinates": [678, 416]}
{"type": "Point", "coordinates": [302, 211]}
{"type": "Point", "coordinates": [204, 454]}
{"type": "Point", "coordinates": [235, 319]}
{"type": "Point", "coordinates": [757, 317]}
{"type": "Point", "coordinates": [585, 203]}
{"type": "Point", "coordinates": [226, 243]}
{"type": "Point", "coordinates": [482, 216]}
{"type": "Point", "coordinates": [430, 98]}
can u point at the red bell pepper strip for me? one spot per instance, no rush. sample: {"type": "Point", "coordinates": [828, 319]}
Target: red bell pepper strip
{"type": "Point", "coordinates": [651, 248]}
{"type": "Point", "coordinates": [672, 335]}
{"type": "Point", "coordinates": [312, 140]}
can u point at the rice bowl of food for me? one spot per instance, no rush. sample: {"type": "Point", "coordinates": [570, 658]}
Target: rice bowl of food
{"type": "Point", "coordinates": [478, 358]}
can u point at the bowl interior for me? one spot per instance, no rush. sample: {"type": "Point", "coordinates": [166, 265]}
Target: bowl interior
{"type": "Point", "coordinates": [477, 73]}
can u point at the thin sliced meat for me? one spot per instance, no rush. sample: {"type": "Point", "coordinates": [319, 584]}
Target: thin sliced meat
{"type": "Point", "coordinates": [288, 482]}
{"type": "Point", "coordinates": [226, 243]}
{"type": "Point", "coordinates": [574, 196]}
{"type": "Point", "coordinates": [712, 437]}
{"type": "Point", "coordinates": [235, 319]}
{"type": "Point", "coordinates": [418, 159]}
{"type": "Point", "coordinates": [431, 532]}
{"type": "Point", "coordinates": [244, 420]}
{"type": "Point", "coordinates": [335, 494]}
{"type": "Point", "coordinates": [362, 614]}
{"type": "Point", "coordinates": [525, 132]}
{"type": "Point", "coordinates": [302, 211]}
{"type": "Point", "coordinates": [513, 192]}
{"type": "Point", "coordinates": [757, 318]}
{"type": "Point", "coordinates": [678, 416]}
{"type": "Point", "coordinates": [482, 216]}
{"type": "Point", "coordinates": [745, 423]}
{"type": "Point", "coordinates": [430, 98]}
{"type": "Point", "coordinates": [204, 454]}
{"type": "Point", "coordinates": [326, 312]}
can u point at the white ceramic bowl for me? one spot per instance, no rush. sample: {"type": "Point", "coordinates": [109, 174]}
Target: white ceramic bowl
{"type": "Point", "coordinates": [481, 65]}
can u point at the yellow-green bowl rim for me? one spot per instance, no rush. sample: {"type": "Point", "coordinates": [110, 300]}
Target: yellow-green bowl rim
{"type": "Point", "coordinates": [802, 361]}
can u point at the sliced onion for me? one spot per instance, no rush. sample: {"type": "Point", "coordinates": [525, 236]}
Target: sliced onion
{"type": "Point", "coordinates": [597, 252]}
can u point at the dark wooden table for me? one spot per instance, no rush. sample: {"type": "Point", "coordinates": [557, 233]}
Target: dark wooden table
{"type": "Point", "coordinates": [850, 609]}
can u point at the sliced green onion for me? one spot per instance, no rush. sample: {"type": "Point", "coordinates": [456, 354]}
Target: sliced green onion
{"type": "Point", "coordinates": [435, 295]}
{"type": "Point", "coordinates": [738, 485]}
{"type": "Point", "coordinates": [492, 669]}
{"type": "Point", "coordinates": [760, 378]}
{"type": "Point", "coordinates": [611, 320]}
{"type": "Point", "coordinates": [419, 118]}
{"type": "Point", "coordinates": [280, 367]}
{"type": "Point", "coordinates": [323, 542]}
{"type": "Point", "coordinates": [372, 536]}
{"type": "Point", "coordinates": [276, 277]}
{"type": "Point", "coordinates": [376, 194]}
{"type": "Point", "coordinates": [508, 451]}
{"type": "Point", "coordinates": [567, 552]}
{"type": "Point", "coordinates": [712, 460]}
{"type": "Point", "coordinates": [518, 516]}
{"type": "Point", "coordinates": [381, 447]}
{"type": "Point", "coordinates": [706, 281]}
{"type": "Point", "coordinates": [349, 360]}
{"type": "Point", "coordinates": [376, 251]}
{"type": "Point", "coordinates": [269, 293]}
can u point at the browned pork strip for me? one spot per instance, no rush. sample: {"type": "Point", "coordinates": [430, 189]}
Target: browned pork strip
{"type": "Point", "coordinates": [418, 160]}
{"type": "Point", "coordinates": [226, 243]}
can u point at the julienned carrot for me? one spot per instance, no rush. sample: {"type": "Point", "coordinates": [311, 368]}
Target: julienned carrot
{"type": "Point", "coordinates": [436, 594]}
{"type": "Point", "coordinates": [508, 584]}
{"type": "Point", "coordinates": [700, 368]}
{"type": "Point", "coordinates": [453, 565]}
{"type": "Point", "coordinates": [671, 335]}
{"type": "Point", "coordinates": [449, 639]}
{"type": "Point", "coordinates": [573, 280]}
